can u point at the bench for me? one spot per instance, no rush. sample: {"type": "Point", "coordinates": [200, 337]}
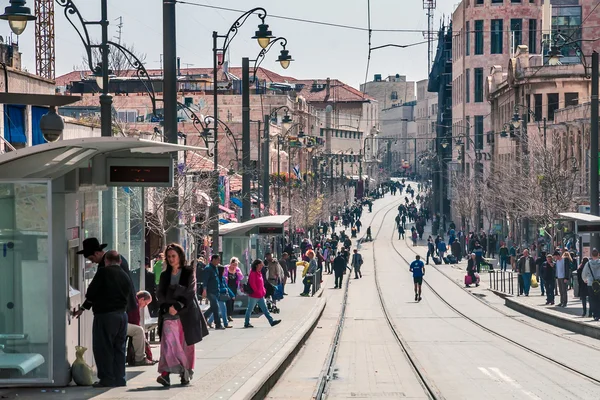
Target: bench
{"type": "Point", "coordinates": [24, 362]}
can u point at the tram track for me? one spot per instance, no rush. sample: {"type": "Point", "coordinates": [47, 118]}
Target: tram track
{"type": "Point", "coordinates": [429, 388]}
{"type": "Point", "coordinates": [485, 328]}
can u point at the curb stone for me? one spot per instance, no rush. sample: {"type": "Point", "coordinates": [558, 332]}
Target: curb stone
{"type": "Point", "coordinates": [259, 385]}
{"type": "Point", "coordinates": [556, 320]}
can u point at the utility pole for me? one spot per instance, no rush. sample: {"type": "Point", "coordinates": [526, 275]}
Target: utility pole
{"type": "Point", "coordinates": [246, 200]}
{"type": "Point", "coordinates": [266, 165]}
{"type": "Point", "coordinates": [170, 109]}
{"type": "Point", "coordinates": [594, 200]}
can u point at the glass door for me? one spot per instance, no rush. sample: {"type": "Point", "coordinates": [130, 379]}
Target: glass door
{"type": "Point", "coordinates": [25, 283]}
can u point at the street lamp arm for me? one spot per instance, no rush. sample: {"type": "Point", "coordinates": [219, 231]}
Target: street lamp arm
{"type": "Point", "coordinates": [263, 53]}
{"type": "Point", "coordinates": [276, 110]}
{"type": "Point", "coordinates": [140, 72]}
{"type": "Point", "coordinates": [230, 135]}
{"type": "Point", "coordinates": [196, 121]}
{"type": "Point", "coordinates": [233, 30]}
{"type": "Point", "coordinates": [71, 9]}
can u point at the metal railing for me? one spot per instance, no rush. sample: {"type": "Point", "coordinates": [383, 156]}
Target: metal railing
{"type": "Point", "coordinates": [318, 276]}
{"type": "Point", "coordinates": [503, 281]}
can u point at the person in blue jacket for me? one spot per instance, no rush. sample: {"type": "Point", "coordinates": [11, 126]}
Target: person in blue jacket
{"type": "Point", "coordinates": [223, 290]}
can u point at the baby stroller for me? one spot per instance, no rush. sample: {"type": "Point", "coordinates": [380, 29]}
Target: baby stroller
{"type": "Point", "coordinates": [274, 294]}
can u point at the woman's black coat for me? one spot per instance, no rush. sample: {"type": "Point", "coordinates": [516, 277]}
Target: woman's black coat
{"type": "Point", "coordinates": [183, 298]}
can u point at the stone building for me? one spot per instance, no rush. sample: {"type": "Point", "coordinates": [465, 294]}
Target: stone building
{"type": "Point", "coordinates": [391, 91]}
{"type": "Point", "coordinates": [399, 123]}
{"type": "Point", "coordinates": [426, 112]}
{"type": "Point", "coordinates": [485, 33]}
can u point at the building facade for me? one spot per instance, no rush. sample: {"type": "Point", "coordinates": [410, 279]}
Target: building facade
{"type": "Point", "coordinates": [485, 33]}
{"type": "Point", "coordinates": [398, 123]}
{"type": "Point", "coordinates": [426, 112]}
{"type": "Point", "coordinates": [391, 91]}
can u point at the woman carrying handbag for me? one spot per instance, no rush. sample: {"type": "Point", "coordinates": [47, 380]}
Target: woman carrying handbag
{"type": "Point", "coordinates": [180, 323]}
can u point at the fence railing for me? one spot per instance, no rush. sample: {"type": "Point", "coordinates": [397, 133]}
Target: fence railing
{"type": "Point", "coordinates": [503, 281]}
{"type": "Point", "coordinates": [317, 281]}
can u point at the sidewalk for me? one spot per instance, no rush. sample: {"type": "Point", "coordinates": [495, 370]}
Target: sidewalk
{"type": "Point", "coordinates": [233, 364]}
{"type": "Point", "coordinates": [568, 318]}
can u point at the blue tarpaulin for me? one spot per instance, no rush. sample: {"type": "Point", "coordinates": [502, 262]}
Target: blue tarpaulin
{"type": "Point", "coordinates": [36, 117]}
{"type": "Point", "coordinates": [236, 201]}
{"type": "Point", "coordinates": [223, 221]}
{"type": "Point", "coordinates": [14, 124]}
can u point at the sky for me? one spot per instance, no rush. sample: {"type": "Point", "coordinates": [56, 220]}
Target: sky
{"type": "Point", "coordinates": [319, 51]}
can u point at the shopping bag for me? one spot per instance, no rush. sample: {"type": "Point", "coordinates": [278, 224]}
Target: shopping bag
{"type": "Point", "coordinates": [534, 282]}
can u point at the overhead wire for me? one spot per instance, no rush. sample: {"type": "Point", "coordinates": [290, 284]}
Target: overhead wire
{"type": "Point", "coordinates": [308, 21]}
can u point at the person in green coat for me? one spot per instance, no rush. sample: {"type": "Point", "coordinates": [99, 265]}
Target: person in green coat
{"type": "Point", "coordinates": [157, 268]}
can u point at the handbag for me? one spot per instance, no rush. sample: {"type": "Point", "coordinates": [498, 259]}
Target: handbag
{"type": "Point", "coordinates": [224, 297]}
{"type": "Point", "coordinates": [247, 288]}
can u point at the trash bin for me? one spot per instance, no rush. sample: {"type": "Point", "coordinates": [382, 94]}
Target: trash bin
{"type": "Point", "coordinates": [575, 284]}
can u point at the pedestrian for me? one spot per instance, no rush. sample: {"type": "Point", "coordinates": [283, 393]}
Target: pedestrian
{"type": "Point", "coordinates": [478, 251]}
{"type": "Point", "coordinates": [503, 254]}
{"type": "Point", "coordinates": [109, 295]}
{"type": "Point", "coordinates": [210, 283]}
{"type": "Point", "coordinates": [283, 263]}
{"type": "Point", "coordinates": [339, 268]}
{"type": "Point", "coordinates": [180, 322]}
{"type": "Point", "coordinates": [225, 295]}
{"type": "Point", "coordinates": [357, 262]}
{"type": "Point", "coordinates": [548, 274]}
{"type": "Point", "coordinates": [369, 237]}
{"type": "Point", "coordinates": [233, 278]}
{"type": "Point", "coordinates": [472, 269]}
{"type": "Point", "coordinates": [538, 265]}
{"type": "Point", "coordinates": [583, 292]}
{"type": "Point", "coordinates": [136, 332]}
{"type": "Point", "coordinates": [414, 237]}
{"type": "Point", "coordinates": [400, 232]}
{"type": "Point", "coordinates": [526, 267]}
{"type": "Point", "coordinates": [441, 248]}
{"type": "Point", "coordinates": [418, 270]}
{"type": "Point", "coordinates": [158, 267]}
{"type": "Point", "coordinates": [309, 274]}
{"type": "Point", "coordinates": [562, 276]}
{"type": "Point", "coordinates": [591, 276]}
{"type": "Point", "coordinates": [257, 294]}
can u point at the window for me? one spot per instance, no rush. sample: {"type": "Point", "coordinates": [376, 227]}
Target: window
{"type": "Point", "coordinates": [532, 36]}
{"type": "Point", "coordinates": [127, 116]}
{"type": "Point", "coordinates": [552, 105]}
{"type": "Point", "coordinates": [497, 36]}
{"type": "Point", "coordinates": [468, 85]}
{"type": "Point", "coordinates": [479, 37]}
{"type": "Point", "coordinates": [538, 107]}
{"type": "Point", "coordinates": [571, 99]}
{"type": "Point", "coordinates": [394, 95]}
{"type": "Point", "coordinates": [478, 2]}
{"type": "Point", "coordinates": [478, 76]}
{"type": "Point", "coordinates": [497, 1]}
{"type": "Point", "coordinates": [467, 131]}
{"type": "Point", "coordinates": [515, 1]}
{"type": "Point", "coordinates": [468, 39]}
{"type": "Point", "coordinates": [516, 33]}
{"type": "Point", "coordinates": [478, 132]}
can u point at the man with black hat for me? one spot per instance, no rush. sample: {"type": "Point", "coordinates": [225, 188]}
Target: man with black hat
{"type": "Point", "coordinates": [94, 252]}
{"type": "Point", "coordinates": [109, 295]}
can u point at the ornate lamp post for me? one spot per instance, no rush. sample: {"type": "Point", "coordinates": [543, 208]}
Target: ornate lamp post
{"type": "Point", "coordinates": [263, 35]}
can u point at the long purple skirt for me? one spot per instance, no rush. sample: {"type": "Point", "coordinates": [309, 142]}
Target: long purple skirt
{"type": "Point", "coordinates": [176, 356]}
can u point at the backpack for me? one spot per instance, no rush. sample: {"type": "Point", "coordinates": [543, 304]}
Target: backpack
{"type": "Point", "coordinates": [595, 283]}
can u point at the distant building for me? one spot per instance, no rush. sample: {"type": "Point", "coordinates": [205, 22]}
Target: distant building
{"type": "Point", "coordinates": [391, 91]}
{"type": "Point", "coordinates": [426, 112]}
{"type": "Point", "coordinates": [398, 123]}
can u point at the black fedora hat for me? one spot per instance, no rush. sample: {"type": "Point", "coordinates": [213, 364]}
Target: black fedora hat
{"type": "Point", "coordinates": [90, 246]}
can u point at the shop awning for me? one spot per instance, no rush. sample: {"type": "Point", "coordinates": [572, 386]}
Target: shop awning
{"type": "Point", "coordinates": [52, 160]}
{"type": "Point", "coordinates": [236, 201]}
{"type": "Point", "coordinates": [225, 209]}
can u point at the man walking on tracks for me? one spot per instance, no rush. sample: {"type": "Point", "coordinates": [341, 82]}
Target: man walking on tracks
{"type": "Point", "coordinates": [357, 261]}
{"type": "Point", "coordinates": [418, 269]}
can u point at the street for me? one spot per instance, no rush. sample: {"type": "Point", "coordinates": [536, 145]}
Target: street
{"type": "Point", "coordinates": [461, 347]}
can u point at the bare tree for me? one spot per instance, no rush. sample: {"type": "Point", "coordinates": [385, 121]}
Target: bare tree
{"type": "Point", "coordinates": [118, 61]}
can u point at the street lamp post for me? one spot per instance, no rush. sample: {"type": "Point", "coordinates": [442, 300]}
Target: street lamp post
{"type": "Point", "coordinates": [263, 35]}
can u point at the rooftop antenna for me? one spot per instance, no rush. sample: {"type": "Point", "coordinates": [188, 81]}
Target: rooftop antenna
{"type": "Point", "coordinates": [120, 30]}
{"type": "Point", "coordinates": [429, 5]}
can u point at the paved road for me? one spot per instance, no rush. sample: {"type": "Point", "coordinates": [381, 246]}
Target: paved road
{"type": "Point", "coordinates": [301, 378]}
{"type": "Point", "coordinates": [464, 360]}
